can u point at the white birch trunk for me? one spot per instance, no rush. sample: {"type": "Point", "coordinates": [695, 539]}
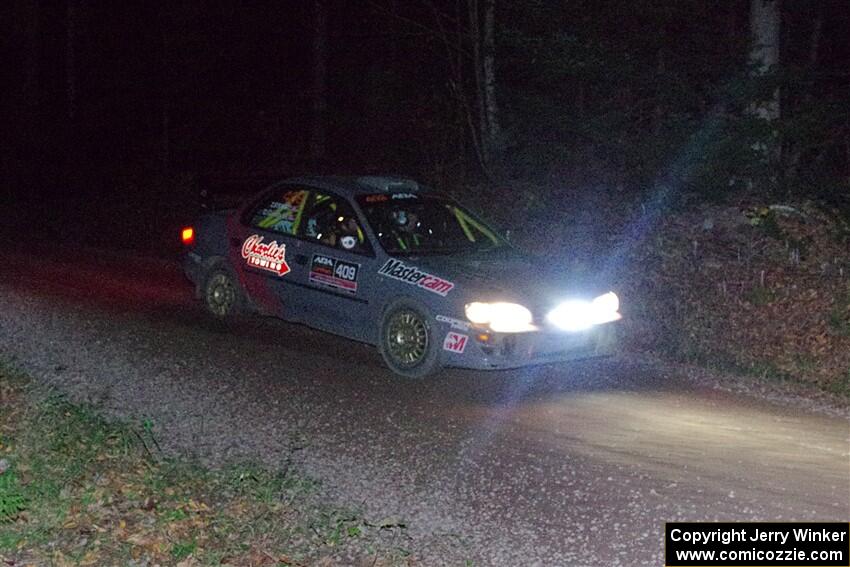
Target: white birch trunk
{"type": "Point", "coordinates": [765, 26]}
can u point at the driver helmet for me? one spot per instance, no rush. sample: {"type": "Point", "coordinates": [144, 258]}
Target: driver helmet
{"type": "Point", "coordinates": [400, 217]}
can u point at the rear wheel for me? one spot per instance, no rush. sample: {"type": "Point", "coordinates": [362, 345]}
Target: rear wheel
{"type": "Point", "coordinates": [222, 297]}
{"type": "Point", "coordinates": [407, 340]}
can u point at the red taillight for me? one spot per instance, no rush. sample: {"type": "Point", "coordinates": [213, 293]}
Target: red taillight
{"type": "Point", "coordinates": [187, 235]}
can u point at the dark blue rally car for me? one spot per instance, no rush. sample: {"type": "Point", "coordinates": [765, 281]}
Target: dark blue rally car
{"type": "Point", "coordinates": [392, 263]}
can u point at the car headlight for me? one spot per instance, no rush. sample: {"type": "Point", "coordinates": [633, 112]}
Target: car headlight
{"type": "Point", "coordinates": [577, 315]}
{"type": "Point", "coordinates": [500, 317]}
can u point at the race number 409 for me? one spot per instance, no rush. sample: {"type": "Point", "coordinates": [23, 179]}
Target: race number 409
{"type": "Point", "coordinates": [345, 271]}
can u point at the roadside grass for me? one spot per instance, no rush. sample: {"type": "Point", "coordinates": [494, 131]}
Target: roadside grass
{"type": "Point", "coordinates": [839, 316]}
{"type": "Point", "coordinates": [78, 489]}
{"type": "Point", "coordinates": [729, 363]}
{"type": "Point", "coordinates": [685, 352]}
{"type": "Point", "coordinates": [677, 346]}
{"type": "Point", "coordinates": [842, 387]}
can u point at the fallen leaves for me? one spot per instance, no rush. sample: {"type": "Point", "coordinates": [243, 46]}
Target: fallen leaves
{"type": "Point", "coordinates": [771, 295]}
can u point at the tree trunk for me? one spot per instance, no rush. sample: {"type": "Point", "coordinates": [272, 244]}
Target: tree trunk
{"type": "Point", "coordinates": [478, 67]}
{"type": "Point", "coordinates": [794, 157]}
{"type": "Point", "coordinates": [817, 31]}
{"type": "Point", "coordinates": [21, 99]}
{"type": "Point", "coordinates": [483, 37]}
{"type": "Point", "coordinates": [318, 149]}
{"type": "Point", "coordinates": [32, 35]}
{"type": "Point", "coordinates": [71, 25]}
{"type": "Point", "coordinates": [165, 93]}
{"type": "Point", "coordinates": [491, 108]}
{"type": "Point", "coordinates": [764, 53]}
{"type": "Point", "coordinates": [658, 111]}
{"type": "Point", "coordinates": [764, 56]}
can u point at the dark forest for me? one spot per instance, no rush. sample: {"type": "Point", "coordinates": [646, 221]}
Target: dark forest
{"type": "Point", "coordinates": [585, 95]}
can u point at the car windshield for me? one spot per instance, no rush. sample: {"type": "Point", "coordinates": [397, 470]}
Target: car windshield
{"type": "Point", "coordinates": [408, 224]}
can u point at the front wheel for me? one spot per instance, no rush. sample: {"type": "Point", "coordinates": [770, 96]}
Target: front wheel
{"type": "Point", "coordinates": [407, 340]}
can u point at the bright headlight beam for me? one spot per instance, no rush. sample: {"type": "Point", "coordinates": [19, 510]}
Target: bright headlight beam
{"type": "Point", "coordinates": [501, 317]}
{"type": "Point", "coordinates": [479, 313]}
{"type": "Point", "coordinates": [607, 302]}
{"type": "Point", "coordinates": [578, 315]}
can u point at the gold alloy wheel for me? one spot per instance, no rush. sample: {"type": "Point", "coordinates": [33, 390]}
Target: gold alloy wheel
{"type": "Point", "coordinates": [407, 338]}
{"type": "Point", "coordinates": [221, 294]}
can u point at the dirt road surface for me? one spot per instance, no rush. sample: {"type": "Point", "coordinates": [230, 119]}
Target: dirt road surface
{"type": "Point", "coordinates": [562, 465]}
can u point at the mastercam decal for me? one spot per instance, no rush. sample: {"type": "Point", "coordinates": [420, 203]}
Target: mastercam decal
{"type": "Point", "coordinates": [265, 256]}
{"type": "Point", "coordinates": [412, 275]}
{"type": "Point", "coordinates": [334, 272]}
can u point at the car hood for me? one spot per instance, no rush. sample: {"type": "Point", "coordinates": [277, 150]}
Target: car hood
{"type": "Point", "coordinates": [507, 275]}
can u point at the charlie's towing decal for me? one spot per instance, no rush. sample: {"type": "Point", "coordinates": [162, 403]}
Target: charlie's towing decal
{"type": "Point", "coordinates": [265, 256]}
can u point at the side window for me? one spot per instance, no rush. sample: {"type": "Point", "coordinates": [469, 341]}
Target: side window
{"type": "Point", "coordinates": [282, 212]}
{"type": "Point", "coordinates": [332, 222]}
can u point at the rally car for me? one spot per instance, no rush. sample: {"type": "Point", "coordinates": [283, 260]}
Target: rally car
{"type": "Point", "coordinates": [390, 262]}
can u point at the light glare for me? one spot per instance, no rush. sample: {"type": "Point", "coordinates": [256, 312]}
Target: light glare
{"type": "Point", "coordinates": [577, 315]}
{"type": "Point", "coordinates": [607, 302]}
{"type": "Point", "coordinates": [501, 317]}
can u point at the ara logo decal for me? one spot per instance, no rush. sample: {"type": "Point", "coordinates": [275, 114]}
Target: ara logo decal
{"type": "Point", "coordinates": [455, 342]}
{"type": "Point", "coordinates": [412, 275]}
{"type": "Point", "coordinates": [269, 256]}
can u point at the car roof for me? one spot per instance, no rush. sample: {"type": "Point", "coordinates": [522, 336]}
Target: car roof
{"type": "Point", "coordinates": [364, 185]}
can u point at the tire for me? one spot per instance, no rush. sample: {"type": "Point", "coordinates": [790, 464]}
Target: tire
{"type": "Point", "coordinates": [221, 294]}
{"type": "Point", "coordinates": [407, 343]}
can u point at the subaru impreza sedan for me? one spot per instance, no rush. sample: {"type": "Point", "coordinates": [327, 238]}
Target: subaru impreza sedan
{"type": "Point", "coordinates": [392, 263]}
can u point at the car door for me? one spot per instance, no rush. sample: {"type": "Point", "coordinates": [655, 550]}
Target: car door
{"type": "Point", "coordinates": [265, 251]}
{"type": "Point", "coordinates": [339, 262]}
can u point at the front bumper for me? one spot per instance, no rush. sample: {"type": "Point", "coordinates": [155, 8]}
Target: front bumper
{"type": "Point", "coordinates": [515, 350]}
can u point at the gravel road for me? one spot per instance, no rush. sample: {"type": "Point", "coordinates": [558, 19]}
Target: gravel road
{"type": "Point", "coordinates": [563, 465]}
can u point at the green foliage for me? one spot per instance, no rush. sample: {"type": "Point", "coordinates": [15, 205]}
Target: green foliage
{"type": "Point", "coordinates": [12, 499]}
{"type": "Point", "coordinates": [182, 550]}
{"type": "Point", "coordinates": [841, 387]}
{"type": "Point", "coordinates": [335, 526]}
{"type": "Point", "coordinates": [839, 316]}
{"type": "Point", "coordinates": [759, 296]}
{"type": "Point", "coordinates": [267, 485]}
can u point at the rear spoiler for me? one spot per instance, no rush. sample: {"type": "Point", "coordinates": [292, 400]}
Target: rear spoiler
{"type": "Point", "coordinates": [218, 193]}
